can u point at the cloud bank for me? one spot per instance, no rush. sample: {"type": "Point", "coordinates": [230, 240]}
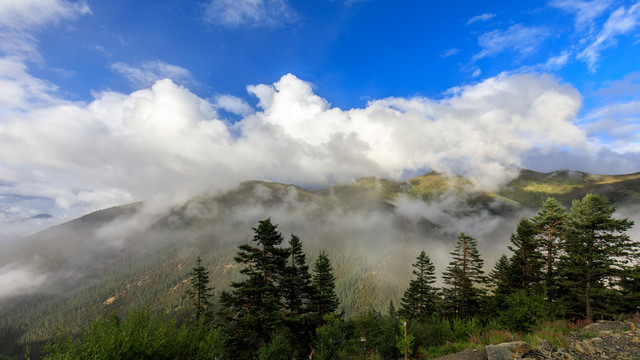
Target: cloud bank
{"type": "Point", "coordinates": [166, 140]}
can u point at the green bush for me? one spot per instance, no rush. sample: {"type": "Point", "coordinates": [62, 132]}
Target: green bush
{"type": "Point", "coordinates": [523, 311]}
{"type": "Point", "coordinates": [141, 335]}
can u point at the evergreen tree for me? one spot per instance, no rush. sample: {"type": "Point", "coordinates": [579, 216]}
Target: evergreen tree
{"type": "Point", "coordinates": [465, 277]}
{"type": "Point", "coordinates": [501, 282]}
{"type": "Point", "coordinates": [253, 307]}
{"type": "Point", "coordinates": [526, 262]}
{"type": "Point", "coordinates": [597, 251]}
{"type": "Point", "coordinates": [630, 289]}
{"type": "Point", "coordinates": [200, 293]}
{"type": "Point", "coordinates": [298, 293]}
{"type": "Point", "coordinates": [550, 225]}
{"type": "Point", "coordinates": [500, 277]}
{"type": "Point", "coordinates": [325, 300]}
{"type": "Point", "coordinates": [420, 299]}
{"type": "Point", "coordinates": [297, 287]}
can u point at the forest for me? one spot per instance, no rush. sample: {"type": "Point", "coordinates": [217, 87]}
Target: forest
{"type": "Point", "coordinates": [572, 267]}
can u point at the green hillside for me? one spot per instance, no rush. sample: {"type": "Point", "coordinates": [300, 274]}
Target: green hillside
{"type": "Point", "coordinates": [371, 228]}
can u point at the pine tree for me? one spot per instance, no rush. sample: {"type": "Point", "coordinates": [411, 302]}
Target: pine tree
{"type": "Point", "coordinates": [298, 294]}
{"type": "Point", "coordinates": [597, 250]}
{"type": "Point", "coordinates": [253, 307]}
{"type": "Point", "coordinates": [326, 301]}
{"type": "Point", "coordinates": [526, 261]}
{"type": "Point", "coordinates": [420, 299]}
{"type": "Point", "coordinates": [200, 293]}
{"type": "Point", "coordinates": [550, 225]}
{"type": "Point", "coordinates": [465, 277]}
{"type": "Point", "coordinates": [297, 287]}
{"type": "Point", "coordinates": [500, 277]}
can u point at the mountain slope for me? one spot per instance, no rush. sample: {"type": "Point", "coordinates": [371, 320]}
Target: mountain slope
{"type": "Point", "coordinates": [118, 259]}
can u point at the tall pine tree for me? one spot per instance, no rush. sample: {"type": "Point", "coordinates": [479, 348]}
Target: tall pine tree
{"type": "Point", "coordinates": [199, 293]}
{"type": "Point", "coordinates": [253, 307]}
{"type": "Point", "coordinates": [597, 250]}
{"type": "Point", "coordinates": [420, 299]}
{"type": "Point", "coordinates": [550, 225]}
{"type": "Point", "coordinates": [526, 261]}
{"type": "Point", "coordinates": [465, 277]}
{"type": "Point", "coordinates": [325, 299]}
{"type": "Point", "coordinates": [297, 287]}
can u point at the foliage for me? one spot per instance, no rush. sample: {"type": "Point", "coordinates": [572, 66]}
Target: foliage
{"type": "Point", "coordinates": [465, 277]}
{"type": "Point", "coordinates": [523, 310]}
{"type": "Point", "coordinates": [526, 261]}
{"type": "Point", "coordinates": [550, 225]}
{"type": "Point", "coordinates": [325, 299]}
{"type": "Point", "coordinates": [597, 251]}
{"type": "Point", "coordinates": [142, 335]}
{"type": "Point", "coordinates": [420, 299]}
{"type": "Point", "coordinates": [252, 309]}
{"type": "Point", "coordinates": [405, 342]}
{"type": "Point", "coordinates": [200, 292]}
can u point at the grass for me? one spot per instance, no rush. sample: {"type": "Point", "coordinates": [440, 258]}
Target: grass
{"type": "Point", "coordinates": [555, 332]}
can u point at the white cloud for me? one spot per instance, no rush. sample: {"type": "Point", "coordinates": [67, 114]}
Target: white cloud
{"type": "Point", "coordinates": [620, 22]}
{"type": "Point", "coordinates": [476, 73]}
{"type": "Point", "coordinates": [519, 38]}
{"type": "Point", "coordinates": [255, 13]}
{"type": "Point", "coordinates": [146, 73]}
{"type": "Point", "coordinates": [166, 140]}
{"type": "Point", "coordinates": [481, 18]}
{"type": "Point", "coordinates": [616, 125]}
{"type": "Point", "coordinates": [557, 62]}
{"type": "Point", "coordinates": [586, 12]}
{"type": "Point", "coordinates": [449, 52]}
{"type": "Point", "coordinates": [21, 91]}
{"type": "Point", "coordinates": [233, 105]}
{"type": "Point", "coordinates": [16, 279]}
{"type": "Point", "coordinates": [25, 14]}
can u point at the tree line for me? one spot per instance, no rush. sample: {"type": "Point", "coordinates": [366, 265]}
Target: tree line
{"type": "Point", "coordinates": [562, 265]}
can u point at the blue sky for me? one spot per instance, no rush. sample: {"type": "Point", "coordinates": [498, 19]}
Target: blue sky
{"type": "Point", "coordinates": [107, 102]}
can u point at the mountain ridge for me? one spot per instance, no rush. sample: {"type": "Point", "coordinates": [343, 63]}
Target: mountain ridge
{"type": "Point", "coordinates": [104, 263]}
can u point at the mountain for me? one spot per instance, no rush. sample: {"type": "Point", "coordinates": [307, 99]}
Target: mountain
{"type": "Point", "coordinates": [114, 260]}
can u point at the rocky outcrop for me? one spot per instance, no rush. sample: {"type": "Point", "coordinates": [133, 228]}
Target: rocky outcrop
{"type": "Point", "coordinates": [508, 351]}
{"type": "Point", "coordinates": [612, 341]}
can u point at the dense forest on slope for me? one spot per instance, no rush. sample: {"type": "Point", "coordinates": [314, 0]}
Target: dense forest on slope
{"type": "Point", "coordinates": [117, 260]}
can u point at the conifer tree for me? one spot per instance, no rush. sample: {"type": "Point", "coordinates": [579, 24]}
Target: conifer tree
{"type": "Point", "coordinates": [253, 307]}
{"type": "Point", "coordinates": [597, 250]}
{"type": "Point", "coordinates": [298, 292]}
{"type": "Point", "coordinates": [420, 299]}
{"type": "Point", "coordinates": [297, 287]}
{"type": "Point", "coordinates": [500, 277]}
{"type": "Point", "coordinates": [550, 225]}
{"type": "Point", "coordinates": [465, 277]}
{"type": "Point", "coordinates": [526, 261]}
{"type": "Point", "coordinates": [325, 300]}
{"type": "Point", "coordinates": [200, 293]}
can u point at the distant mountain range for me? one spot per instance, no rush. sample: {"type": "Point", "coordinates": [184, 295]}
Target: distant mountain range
{"type": "Point", "coordinates": [139, 255]}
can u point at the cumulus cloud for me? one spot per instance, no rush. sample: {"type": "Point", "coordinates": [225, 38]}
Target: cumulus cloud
{"type": "Point", "coordinates": [519, 38]}
{"type": "Point", "coordinates": [254, 13]}
{"type": "Point", "coordinates": [146, 73]}
{"type": "Point", "coordinates": [166, 140]}
{"type": "Point", "coordinates": [622, 21]}
{"type": "Point", "coordinates": [233, 104]}
{"type": "Point", "coordinates": [481, 18]}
